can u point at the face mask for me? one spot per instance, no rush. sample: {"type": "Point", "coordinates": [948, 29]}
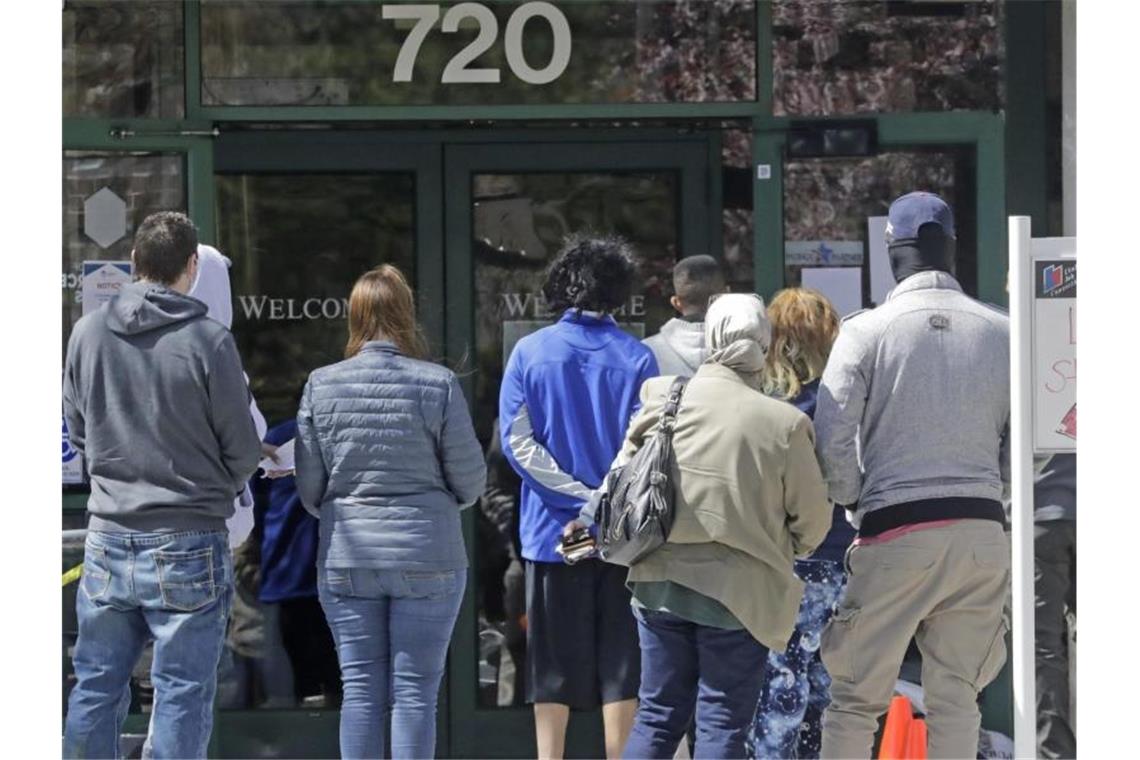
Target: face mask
{"type": "Point", "coordinates": [929, 253]}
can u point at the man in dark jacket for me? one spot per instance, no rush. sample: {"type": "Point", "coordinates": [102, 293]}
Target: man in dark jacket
{"type": "Point", "coordinates": [155, 400]}
{"type": "Point", "coordinates": [1055, 573]}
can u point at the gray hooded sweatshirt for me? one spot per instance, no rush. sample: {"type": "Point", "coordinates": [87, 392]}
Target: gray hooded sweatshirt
{"type": "Point", "coordinates": [679, 347]}
{"type": "Point", "coordinates": [156, 401]}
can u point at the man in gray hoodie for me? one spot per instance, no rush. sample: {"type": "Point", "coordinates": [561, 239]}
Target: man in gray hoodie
{"type": "Point", "coordinates": [680, 345]}
{"type": "Point", "coordinates": [156, 401]}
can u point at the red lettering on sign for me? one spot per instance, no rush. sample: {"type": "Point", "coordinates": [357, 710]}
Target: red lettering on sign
{"type": "Point", "coordinates": [1064, 371]}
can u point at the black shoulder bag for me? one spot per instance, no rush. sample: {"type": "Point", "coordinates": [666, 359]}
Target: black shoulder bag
{"type": "Point", "coordinates": [636, 512]}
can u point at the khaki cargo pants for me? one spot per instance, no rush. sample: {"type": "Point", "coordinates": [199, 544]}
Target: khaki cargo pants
{"type": "Point", "coordinates": [946, 587]}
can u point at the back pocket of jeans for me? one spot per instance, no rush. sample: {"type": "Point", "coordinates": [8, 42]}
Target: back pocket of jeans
{"type": "Point", "coordinates": [96, 572]}
{"type": "Point", "coordinates": [336, 581]}
{"type": "Point", "coordinates": [186, 579]}
{"type": "Point", "coordinates": [430, 584]}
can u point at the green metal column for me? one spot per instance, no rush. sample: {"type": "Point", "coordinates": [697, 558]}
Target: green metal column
{"type": "Point", "coordinates": [768, 211]}
{"type": "Point", "coordinates": [1025, 125]}
{"type": "Point", "coordinates": [993, 237]}
{"type": "Point", "coordinates": [200, 188]}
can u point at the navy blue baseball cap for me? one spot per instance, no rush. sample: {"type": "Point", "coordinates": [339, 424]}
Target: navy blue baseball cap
{"type": "Point", "coordinates": [913, 210]}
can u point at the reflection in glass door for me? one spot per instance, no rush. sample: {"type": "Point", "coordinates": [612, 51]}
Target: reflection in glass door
{"type": "Point", "coordinates": [519, 222]}
{"type": "Point", "coordinates": [509, 209]}
{"type": "Point", "coordinates": [298, 242]}
{"type": "Point", "coordinates": [825, 229]}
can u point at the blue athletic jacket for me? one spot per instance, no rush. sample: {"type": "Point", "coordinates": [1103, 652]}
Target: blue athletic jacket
{"type": "Point", "coordinates": [567, 396]}
{"type": "Point", "coordinates": [289, 533]}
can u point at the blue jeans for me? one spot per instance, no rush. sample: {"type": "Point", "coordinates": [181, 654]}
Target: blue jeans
{"type": "Point", "coordinates": [796, 686]}
{"type": "Point", "coordinates": [174, 588]}
{"type": "Point", "coordinates": [687, 667]}
{"type": "Point", "coordinates": [391, 628]}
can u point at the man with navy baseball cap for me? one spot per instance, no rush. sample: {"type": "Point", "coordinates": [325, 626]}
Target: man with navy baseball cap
{"type": "Point", "coordinates": [912, 427]}
{"type": "Point", "coordinates": [920, 235]}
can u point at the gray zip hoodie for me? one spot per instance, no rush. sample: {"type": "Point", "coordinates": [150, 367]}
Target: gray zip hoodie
{"type": "Point", "coordinates": [914, 402]}
{"type": "Point", "coordinates": [155, 399]}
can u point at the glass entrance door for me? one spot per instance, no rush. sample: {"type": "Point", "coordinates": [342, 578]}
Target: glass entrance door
{"type": "Point", "coordinates": [508, 209]}
{"type": "Point", "coordinates": [302, 215]}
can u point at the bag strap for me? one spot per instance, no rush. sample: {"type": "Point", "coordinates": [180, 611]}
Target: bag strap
{"type": "Point", "coordinates": [673, 403]}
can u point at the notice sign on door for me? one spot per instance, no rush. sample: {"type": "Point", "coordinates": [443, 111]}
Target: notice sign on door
{"type": "Point", "coordinates": [1055, 355]}
{"type": "Point", "coordinates": [72, 460]}
{"type": "Point", "coordinates": [101, 282]}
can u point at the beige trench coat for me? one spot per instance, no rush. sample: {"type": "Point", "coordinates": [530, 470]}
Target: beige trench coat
{"type": "Point", "coordinates": [750, 498]}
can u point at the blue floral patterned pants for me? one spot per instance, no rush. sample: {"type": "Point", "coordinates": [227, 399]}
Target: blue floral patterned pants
{"type": "Point", "coordinates": [796, 686]}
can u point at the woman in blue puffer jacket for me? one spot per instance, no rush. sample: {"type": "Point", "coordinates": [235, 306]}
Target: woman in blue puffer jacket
{"type": "Point", "coordinates": [386, 457]}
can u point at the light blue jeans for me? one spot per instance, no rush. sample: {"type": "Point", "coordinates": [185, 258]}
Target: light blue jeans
{"type": "Point", "coordinates": [174, 589]}
{"type": "Point", "coordinates": [391, 628]}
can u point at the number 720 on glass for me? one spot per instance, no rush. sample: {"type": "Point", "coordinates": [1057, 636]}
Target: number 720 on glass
{"type": "Point", "coordinates": [459, 69]}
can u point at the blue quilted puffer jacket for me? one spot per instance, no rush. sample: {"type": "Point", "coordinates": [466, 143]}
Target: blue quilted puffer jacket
{"type": "Point", "coordinates": [386, 457]}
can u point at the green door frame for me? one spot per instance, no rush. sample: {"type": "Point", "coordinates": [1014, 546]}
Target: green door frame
{"type": "Point", "coordinates": [151, 136]}
{"type": "Point", "coordinates": [508, 732]}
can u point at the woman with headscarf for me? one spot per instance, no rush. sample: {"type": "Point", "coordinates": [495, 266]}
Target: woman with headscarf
{"type": "Point", "coordinates": [721, 592]}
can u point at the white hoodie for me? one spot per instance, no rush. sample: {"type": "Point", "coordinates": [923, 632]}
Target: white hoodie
{"type": "Point", "coordinates": [679, 347]}
{"type": "Point", "coordinates": [212, 287]}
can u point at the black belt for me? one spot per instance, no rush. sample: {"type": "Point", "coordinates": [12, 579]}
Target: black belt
{"type": "Point", "coordinates": [930, 510]}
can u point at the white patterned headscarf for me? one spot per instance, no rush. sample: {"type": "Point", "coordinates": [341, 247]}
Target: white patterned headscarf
{"type": "Point", "coordinates": [738, 334]}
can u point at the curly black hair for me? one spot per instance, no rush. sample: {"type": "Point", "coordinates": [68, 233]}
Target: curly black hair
{"type": "Point", "coordinates": [591, 273]}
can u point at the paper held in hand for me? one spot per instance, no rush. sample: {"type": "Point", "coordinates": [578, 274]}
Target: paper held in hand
{"type": "Point", "coordinates": [284, 464]}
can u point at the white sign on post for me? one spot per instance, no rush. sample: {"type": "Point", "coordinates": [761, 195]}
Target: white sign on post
{"type": "Point", "coordinates": [1043, 419]}
{"type": "Point", "coordinates": [1054, 345]}
{"type": "Point", "coordinates": [102, 281]}
{"type": "Point", "coordinates": [843, 286]}
{"type": "Point", "coordinates": [882, 278]}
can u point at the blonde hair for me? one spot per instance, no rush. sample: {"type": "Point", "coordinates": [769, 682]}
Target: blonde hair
{"type": "Point", "coordinates": [804, 326]}
{"type": "Point", "coordinates": [382, 306]}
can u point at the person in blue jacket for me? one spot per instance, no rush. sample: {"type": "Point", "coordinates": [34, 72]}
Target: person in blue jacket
{"type": "Point", "coordinates": [567, 396]}
{"type": "Point", "coordinates": [386, 459]}
{"type": "Point", "coordinates": [288, 539]}
{"type": "Point", "coordinates": [796, 685]}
